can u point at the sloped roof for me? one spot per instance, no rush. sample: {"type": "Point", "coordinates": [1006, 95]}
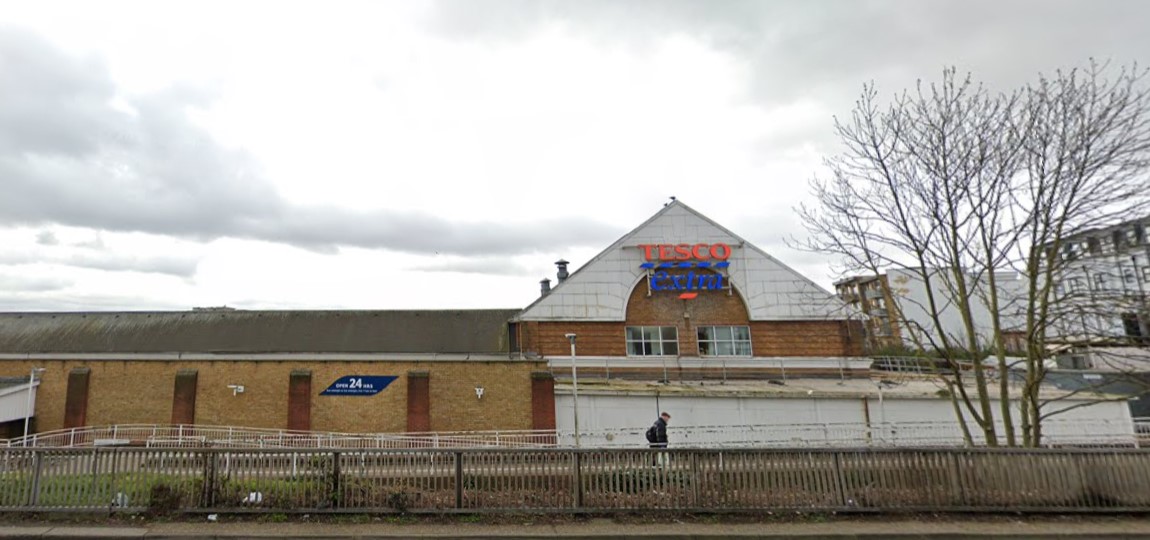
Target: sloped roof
{"type": "Point", "coordinates": [598, 290]}
{"type": "Point", "coordinates": [239, 331]}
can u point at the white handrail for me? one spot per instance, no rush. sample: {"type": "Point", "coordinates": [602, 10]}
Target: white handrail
{"type": "Point", "coordinates": [1058, 432]}
{"type": "Point", "coordinates": [151, 434]}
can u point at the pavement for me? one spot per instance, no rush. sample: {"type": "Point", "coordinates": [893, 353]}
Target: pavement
{"type": "Point", "coordinates": [1094, 527]}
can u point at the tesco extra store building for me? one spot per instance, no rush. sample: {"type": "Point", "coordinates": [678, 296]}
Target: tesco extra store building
{"type": "Point", "coordinates": [677, 304]}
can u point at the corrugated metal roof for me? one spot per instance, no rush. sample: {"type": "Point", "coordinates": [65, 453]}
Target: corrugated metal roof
{"type": "Point", "coordinates": [239, 331]}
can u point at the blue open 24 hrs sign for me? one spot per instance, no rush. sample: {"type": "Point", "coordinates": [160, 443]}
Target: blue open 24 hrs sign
{"type": "Point", "coordinates": [358, 385]}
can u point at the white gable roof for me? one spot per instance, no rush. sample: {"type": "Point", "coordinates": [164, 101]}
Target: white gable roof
{"type": "Point", "coordinates": [598, 291]}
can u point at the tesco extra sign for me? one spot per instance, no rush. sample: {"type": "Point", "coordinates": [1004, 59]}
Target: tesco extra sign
{"type": "Point", "coordinates": [685, 252]}
{"type": "Point", "coordinates": [663, 257]}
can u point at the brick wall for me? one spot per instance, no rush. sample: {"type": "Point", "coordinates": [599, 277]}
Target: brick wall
{"type": "Point", "coordinates": [142, 392]}
{"type": "Point", "coordinates": [664, 308]}
{"type": "Point", "coordinates": [506, 401]}
{"type": "Point", "coordinates": [595, 338]}
{"type": "Point", "coordinates": [806, 338]}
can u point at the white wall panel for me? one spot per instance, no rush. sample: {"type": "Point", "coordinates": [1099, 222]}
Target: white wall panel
{"type": "Point", "coordinates": [619, 420]}
{"type": "Point", "coordinates": [14, 402]}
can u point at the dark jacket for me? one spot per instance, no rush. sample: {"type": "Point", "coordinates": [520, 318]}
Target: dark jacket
{"type": "Point", "coordinates": [660, 433]}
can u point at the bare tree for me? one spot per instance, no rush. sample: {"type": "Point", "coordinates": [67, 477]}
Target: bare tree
{"type": "Point", "coordinates": [1087, 151]}
{"type": "Point", "coordinates": [954, 184]}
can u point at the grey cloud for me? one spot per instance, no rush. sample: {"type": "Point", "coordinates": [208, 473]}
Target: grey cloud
{"type": "Point", "coordinates": [479, 265]}
{"type": "Point", "coordinates": [46, 301]}
{"type": "Point", "coordinates": [70, 156]}
{"type": "Point", "coordinates": [799, 48]}
{"type": "Point", "coordinates": [422, 233]}
{"type": "Point", "coordinates": [97, 242]}
{"type": "Point", "coordinates": [183, 267]}
{"type": "Point", "coordinates": [174, 266]}
{"type": "Point", "coordinates": [824, 51]}
{"type": "Point", "coordinates": [47, 238]}
{"type": "Point", "coordinates": [51, 103]}
{"type": "Point", "coordinates": [25, 283]}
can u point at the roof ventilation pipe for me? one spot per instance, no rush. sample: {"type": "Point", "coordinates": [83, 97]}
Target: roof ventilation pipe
{"type": "Point", "coordinates": [544, 287]}
{"type": "Point", "coordinates": [562, 264]}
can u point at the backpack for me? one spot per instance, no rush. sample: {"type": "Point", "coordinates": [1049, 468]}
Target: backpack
{"type": "Point", "coordinates": [652, 434]}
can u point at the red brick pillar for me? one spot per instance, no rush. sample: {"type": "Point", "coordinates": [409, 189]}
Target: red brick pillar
{"type": "Point", "coordinates": [542, 400]}
{"type": "Point", "coordinates": [299, 400]}
{"type": "Point", "coordinates": [184, 397]}
{"type": "Point", "coordinates": [76, 400]}
{"type": "Point", "coordinates": [418, 401]}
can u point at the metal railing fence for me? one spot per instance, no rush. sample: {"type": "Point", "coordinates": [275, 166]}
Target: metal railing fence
{"type": "Point", "coordinates": [716, 368]}
{"type": "Point", "coordinates": [1057, 432]}
{"type": "Point", "coordinates": [566, 480]}
{"type": "Point", "coordinates": [1081, 433]}
{"type": "Point", "coordinates": [196, 436]}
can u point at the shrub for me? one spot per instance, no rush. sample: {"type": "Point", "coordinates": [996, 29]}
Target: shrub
{"type": "Point", "coordinates": [163, 499]}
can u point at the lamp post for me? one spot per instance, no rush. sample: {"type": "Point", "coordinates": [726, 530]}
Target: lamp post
{"type": "Point", "coordinates": [882, 413]}
{"type": "Point", "coordinates": [574, 388]}
{"type": "Point", "coordinates": [28, 406]}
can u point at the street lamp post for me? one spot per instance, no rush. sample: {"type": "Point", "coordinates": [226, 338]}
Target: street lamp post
{"type": "Point", "coordinates": [882, 414]}
{"type": "Point", "coordinates": [574, 388]}
{"type": "Point", "coordinates": [28, 406]}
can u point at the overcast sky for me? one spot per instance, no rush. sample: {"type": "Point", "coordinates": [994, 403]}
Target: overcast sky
{"type": "Point", "coordinates": [398, 155]}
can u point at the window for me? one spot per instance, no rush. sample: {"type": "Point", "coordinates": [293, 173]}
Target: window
{"type": "Point", "coordinates": [513, 337]}
{"type": "Point", "coordinates": [1094, 246]}
{"type": "Point", "coordinates": [1132, 326]}
{"type": "Point", "coordinates": [1076, 361]}
{"type": "Point", "coordinates": [652, 340]}
{"type": "Point", "coordinates": [724, 341]}
{"type": "Point", "coordinates": [1071, 251]}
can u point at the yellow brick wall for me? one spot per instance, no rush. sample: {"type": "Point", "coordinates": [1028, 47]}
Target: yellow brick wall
{"type": "Point", "coordinates": [506, 402]}
{"type": "Point", "coordinates": [140, 392]}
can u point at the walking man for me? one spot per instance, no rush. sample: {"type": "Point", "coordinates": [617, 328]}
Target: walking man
{"type": "Point", "coordinates": [657, 436]}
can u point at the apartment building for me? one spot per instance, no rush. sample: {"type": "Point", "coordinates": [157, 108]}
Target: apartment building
{"type": "Point", "coordinates": [1102, 286]}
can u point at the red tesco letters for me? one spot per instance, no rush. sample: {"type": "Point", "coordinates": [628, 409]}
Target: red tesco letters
{"type": "Point", "coordinates": [684, 252]}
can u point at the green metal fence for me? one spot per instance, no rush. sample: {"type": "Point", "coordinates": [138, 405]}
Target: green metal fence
{"type": "Point", "coordinates": [565, 480]}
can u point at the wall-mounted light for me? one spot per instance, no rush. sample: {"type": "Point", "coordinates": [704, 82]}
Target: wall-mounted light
{"type": "Point", "coordinates": [236, 388]}
{"type": "Point", "coordinates": [478, 392]}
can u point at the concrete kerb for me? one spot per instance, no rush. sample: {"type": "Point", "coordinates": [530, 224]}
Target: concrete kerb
{"type": "Point", "coordinates": [1106, 529]}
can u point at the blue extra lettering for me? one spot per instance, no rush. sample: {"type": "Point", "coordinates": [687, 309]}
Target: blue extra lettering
{"type": "Point", "coordinates": [663, 281]}
{"type": "Point", "coordinates": [657, 278]}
